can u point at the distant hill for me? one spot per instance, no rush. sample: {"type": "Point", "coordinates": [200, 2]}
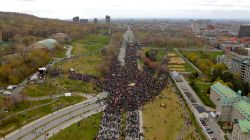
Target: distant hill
{"type": "Point", "coordinates": [22, 27]}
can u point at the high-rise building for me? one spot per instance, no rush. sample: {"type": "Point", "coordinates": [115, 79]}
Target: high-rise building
{"type": "Point", "coordinates": [76, 19]}
{"type": "Point", "coordinates": [108, 18]}
{"type": "Point", "coordinates": [241, 66]}
{"type": "Point", "coordinates": [244, 31]}
{"type": "Point", "coordinates": [95, 20]}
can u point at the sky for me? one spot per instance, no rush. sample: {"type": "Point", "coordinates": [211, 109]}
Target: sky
{"type": "Point", "coordinates": [66, 9]}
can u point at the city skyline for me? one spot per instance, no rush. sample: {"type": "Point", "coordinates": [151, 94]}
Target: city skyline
{"type": "Point", "coordinates": [213, 9]}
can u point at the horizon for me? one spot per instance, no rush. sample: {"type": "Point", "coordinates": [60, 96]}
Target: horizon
{"type": "Point", "coordinates": [158, 9]}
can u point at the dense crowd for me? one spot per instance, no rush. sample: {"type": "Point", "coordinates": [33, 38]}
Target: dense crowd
{"type": "Point", "coordinates": [110, 126]}
{"type": "Point", "coordinates": [54, 72]}
{"type": "Point", "coordinates": [128, 89]}
{"type": "Point", "coordinates": [83, 77]}
{"type": "Point", "coordinates": [132, 125]}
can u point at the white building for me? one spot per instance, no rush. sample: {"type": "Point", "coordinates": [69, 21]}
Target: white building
{"type": "Point", "coordinates": [231, 107]}
{"type": "Point", "coordinates": [241, 130]}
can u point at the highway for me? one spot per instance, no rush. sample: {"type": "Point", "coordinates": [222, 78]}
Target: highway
{"type": "Point", "coordinates": [58, 120]}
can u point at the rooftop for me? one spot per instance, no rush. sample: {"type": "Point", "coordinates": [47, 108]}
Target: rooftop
{"type": "Point", "coordinates": [224, 91]}
{"type": "Point", "coordinates": [50, 43]}
{"type": "Point", "coordinates": [244, 125]}
{"type": "Point", "coordinates": [244, 108]}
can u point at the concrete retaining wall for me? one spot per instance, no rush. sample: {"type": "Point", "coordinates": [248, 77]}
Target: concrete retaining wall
{"type": "Point", "coordinates": [191, 107]}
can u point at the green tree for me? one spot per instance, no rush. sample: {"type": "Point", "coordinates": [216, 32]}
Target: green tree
{"type": "Point", "coordinates": [217, 71]}
{"type": "Point", "coordinates": [226, 76]}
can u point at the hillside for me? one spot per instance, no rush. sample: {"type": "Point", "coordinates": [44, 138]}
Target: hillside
{"type": "Point", "coordinates": [25, 28]}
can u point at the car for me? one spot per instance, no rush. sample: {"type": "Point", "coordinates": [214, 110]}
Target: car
{"type": "Point", "coordinates": [207, 128]}
{"type": "Point", "coordinates": [204, 124]}
{"type": "Point", "coordinates": [209, 131]}
{"type": "Point", "coordinates": [213, 138]}
{"type": "Point", "coordinates": [6, 93]}
{"type": "Point", "coordinates": [11, 87]}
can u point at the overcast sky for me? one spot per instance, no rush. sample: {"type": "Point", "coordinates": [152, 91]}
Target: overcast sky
{"type": "Point", "coordinates": [66, 9]}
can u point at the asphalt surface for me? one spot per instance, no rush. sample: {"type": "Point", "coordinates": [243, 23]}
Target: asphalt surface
{"type": "Point", "coordinates": [110, 127]}
{"type": "Point", "coordinates": [16, 92]}
{"type": "Point", "coordinates": [192, 96]}
{"type": "Point", "coordinates": [54, 120]}
{"type": "Point", "coordinates": [127, 37]}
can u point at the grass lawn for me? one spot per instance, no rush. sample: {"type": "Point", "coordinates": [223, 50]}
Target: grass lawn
{"type": "Point", "coordinates": [89, 43]}
{"type": "Point", "coordinates": [201, 54]}
{"type": "Point", "coordinates": [60, 53]}
{"type": "Point", "coordinates": [88, 64]}
{"type": "Point", "coordinates": [202, 88]}
{"type": "Point", "coordinates": [179, 67]}
{"type": "Point", "coordinates": [54, 86]}
{"type": "Point", "coordinates": [167, 122]}
{"type": "Point", "coordinates": [17, 121]}
{"type": "Point", "coordinates": [22, 106]}
{"type": "Point", "coordinates": [86, 129]}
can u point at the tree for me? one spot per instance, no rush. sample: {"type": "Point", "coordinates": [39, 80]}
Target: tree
{"type": "Point", "coordinates": [237, 82]}
{"type": "Point", "coordinates": [226, 76]}
{"type": "Point", "coordinates": [217, 71]}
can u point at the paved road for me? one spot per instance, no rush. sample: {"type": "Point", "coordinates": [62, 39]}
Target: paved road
{"type": "Point", "coordinates": [200, 49]}
{"type": "Point", "coordinates": [194, 99]}
{"type": "Point", "coordinates": [53, 120]}
{"type": "Point", "coordinates": [127, 37]}
{"type": "Point", "coordinates": [68, 52]}
{"type": "Point", "coordinates": [16, 92]}
{"type": "Point", "coordinates": [88, 96]}
{"type": "Point", "coordinates": [110, 127]}
{"type": "Point", "coordinates": [133, 125]}
{"type": "Point", "coordinates": [66, 124]}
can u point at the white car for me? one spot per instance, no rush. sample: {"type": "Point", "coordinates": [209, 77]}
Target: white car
{"type": "Point", "coordinates": [6, 93]}
{"type": "Point", "coordinates": [11, 87]}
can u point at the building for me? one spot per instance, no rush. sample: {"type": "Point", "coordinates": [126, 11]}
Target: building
{"type": "Point", "coordinates": [223, 97]}
{"type": "Point", "coordinates": [244, 31]}
{"type": "Point", "coordinates": [200, 26]}
{"type": "Point", "coordinates": [231, 107]}
{"type": "Point", "coordinates": [47, 44]}
{"type": "Point", "coordinates": [84, 20]}
{"type": "Point", "coordinates": [76, 19]}
{"type": "Point", "coordinates": [241, 130]}
{"type": "Point", "coordinates": [241, 66]}
{"type": "Point", "coordinates": [241, 110]}
{"type": "Point", "coordinates": [224, 59]}
{"type": "Point", "coordinates": [95, 20]}
{"type": "Point", "coordinates": [108, 19]}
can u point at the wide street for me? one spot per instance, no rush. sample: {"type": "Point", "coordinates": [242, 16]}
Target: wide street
{"type": "Point", "coordinates": [110, 127]}
{"type": "Point", "coordinates": [50, 123]}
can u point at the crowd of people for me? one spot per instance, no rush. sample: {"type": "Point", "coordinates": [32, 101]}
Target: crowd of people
{"type": "Point", "coordinates": [128, 89]}
{"type": "Point", "coordinates": [132, 126]}
{"type": "Point", "coordinates": [55, 72]}
{"type": "Point", "coordinates": [83, 77]}
{"type": "Point", "coordinates": [110, 126]}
